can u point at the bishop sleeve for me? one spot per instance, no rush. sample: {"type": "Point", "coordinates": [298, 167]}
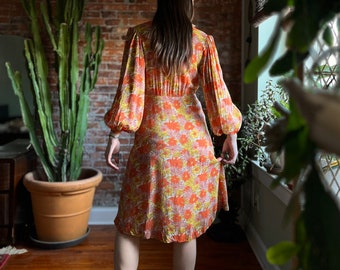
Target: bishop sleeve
{"type": "Point", "coordinates": [126, 112]}
{"type": "Point", "coordinates": [224, 117]}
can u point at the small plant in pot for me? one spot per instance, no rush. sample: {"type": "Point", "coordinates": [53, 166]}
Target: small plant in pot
{"type": "Point", "coordinates": [58, 145]}
{"type": "Point", "coordinates": [251, 146]}
{"type": "Point", "coordinates": [252, 137]}
{"type": "Point", "coordinates": [269, 107]}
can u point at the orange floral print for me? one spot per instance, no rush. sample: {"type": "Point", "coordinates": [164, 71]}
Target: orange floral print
{"type": "Point", "coordinates": [176, 162]}
{"type": "Point", "coordinates": [191, 162]}
{"type": "Point", "coordinates": [178, 201]}
{"type": "Point", "coordinates": [193, 199]}
{"type": "Point", "coordinates": [172, 125]}
{"type": "Point", "coordinates": [187, 214]}
{"type": "Point", "coordinates": [202, 143]}
{"type": "Point", "coordinates": [173, 183]}
{"type": "Point", "coordinates": [186, 176]}
{"type": "Point", "coordinates": [175, 179]}
{"type": "Point", "coordinates": [203, 177]}
{"type": "Point", "coordinates": [183, 139]}
{"type": "Point", "coordinates": [188, 126]}
{"type": "Point", "coordinates": [172, 142]}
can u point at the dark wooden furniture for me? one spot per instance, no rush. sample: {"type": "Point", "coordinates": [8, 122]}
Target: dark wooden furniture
{"type": "Point", "coordinates": [7, 137]}
{"type": "Point", "coordinates": [15, 161]}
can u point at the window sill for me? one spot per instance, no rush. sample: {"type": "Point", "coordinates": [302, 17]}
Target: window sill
{"type": "Point", "coordinates": [282, 192]}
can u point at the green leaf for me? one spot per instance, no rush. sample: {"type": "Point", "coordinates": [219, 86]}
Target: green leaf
{"type": "Point", "coordinates": [328, 36]}
{"type": "Point", "coordinates": [322, 221]}
{"type": "Point", "coordinates": [256, 66]}
{"type": "Point", "coordinates": [309, 18]}
{"type": "Point", "coordinates": [301, 239]}
{"type": "Point", "coordinates": [273, 6]}
{"type": "Point", "coordinates": [287, 62]}
{"type": "Point", "coordinates": [282, 252]}
{"type": "Point", "coordinates": [299, 149]}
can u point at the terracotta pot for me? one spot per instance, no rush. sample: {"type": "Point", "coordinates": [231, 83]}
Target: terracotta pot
{"type": "Point", "coordinates": [61, 209]}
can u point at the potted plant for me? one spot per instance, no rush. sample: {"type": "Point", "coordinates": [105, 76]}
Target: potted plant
{"type": "Point", "coordinates": [252, 136]}
{"type": "Point", "coordinates": [58, 145]}
{"type": "Point", "coordinates": [251, 146]}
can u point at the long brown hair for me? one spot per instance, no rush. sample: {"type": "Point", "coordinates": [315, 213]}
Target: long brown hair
{"type": "Point", "coordinates": [171, 36]}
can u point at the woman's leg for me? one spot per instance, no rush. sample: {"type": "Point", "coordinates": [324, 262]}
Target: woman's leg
{"type": "Point", "coordinates": [184, 255]}
{"type": "Point", "coordinates": [126, 252]}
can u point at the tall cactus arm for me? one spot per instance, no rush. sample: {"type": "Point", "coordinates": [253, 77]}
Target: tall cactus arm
{"type": "Point", "coordinates": [81, 122]}
{"type": "Point", "coordinates": [80, 8]}
{"type": "Point", "coordinates": [80, 134]}
{"type": "Point", "coordinates": [48, 136]}
{"type": "Point", "coordinates": [60, 7]}
{"type": "Point", "coordinates": [40, 65]}
{"type": "Point", "coordinates": [64, 98]}
{"type": "Point", "coordinates": [74, 65]}
{"type": "Point", "coordinates": [27, 5]}
{"type": "Point", "coordinates": [74, 70]}
{"type": "Point", "coordinates": [47, 23]}
{"type": "Point", "coordinates": [39, 56]}
{"type": "Point", "coordinates": [66, 122]}
{"type": "Point", "coordinates": [62, 156]}
{"type": "Point", "coordinates": [76, 156]}
{"type": "Point", "coordinates": [99, 46]}
{"type": "Point", "coordinates": [73, 77]}
{"type": "Point", "coordinates": [92, 59]}
{"type": "Point", "coordinates": [28, 119]}
{"type": "Point", "coordinates": [70, 11]}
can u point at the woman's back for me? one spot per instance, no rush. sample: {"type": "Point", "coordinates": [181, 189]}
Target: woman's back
{"type": "Point", "coordinates": [173, 183]}
{"type": "Point", "coordinates": [157, 81]}
{"type": "Point", "coordinates": [172, 160]}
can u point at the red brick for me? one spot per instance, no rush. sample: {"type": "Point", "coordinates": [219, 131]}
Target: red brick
{"type": "Point", "coordinates": [221, 18]}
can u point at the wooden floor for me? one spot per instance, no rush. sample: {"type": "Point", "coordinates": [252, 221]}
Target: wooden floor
{"type": "Point", "coordinates": [96, 252]}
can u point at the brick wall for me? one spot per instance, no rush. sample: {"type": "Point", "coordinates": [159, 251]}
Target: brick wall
{"type": "Point", "coordinates": [221, 18]}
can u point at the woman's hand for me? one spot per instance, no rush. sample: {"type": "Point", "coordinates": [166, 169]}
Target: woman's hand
{"type": "Point", "coordinates": [112, 148]}
{"type": "Point", "coordinates": [229, 150]}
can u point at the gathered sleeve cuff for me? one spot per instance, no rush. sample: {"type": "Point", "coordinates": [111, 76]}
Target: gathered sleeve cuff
{"type": "Point", "coordinates": [224, 117]}
{"type": "Point", "coordinates": [126, 112]}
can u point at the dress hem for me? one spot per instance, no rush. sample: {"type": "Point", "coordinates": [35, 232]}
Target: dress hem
{"type": "Point", "coordinates": [179, 238]}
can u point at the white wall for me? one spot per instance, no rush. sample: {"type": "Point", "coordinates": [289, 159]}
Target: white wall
{"type": "Point", "coordinates": [263, 215]}
{"type": "Point", "coordinates": [12, 50]}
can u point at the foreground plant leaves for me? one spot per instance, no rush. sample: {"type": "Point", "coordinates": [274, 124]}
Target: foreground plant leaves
{"type": "Point", "coordinates": [321, 218]}
{"type": "Point", "coordinates": [316, 214]}
{"type": "Point", "coordinates": [259, 63]}
{"type": "Point", "coordinates": [282, 252]}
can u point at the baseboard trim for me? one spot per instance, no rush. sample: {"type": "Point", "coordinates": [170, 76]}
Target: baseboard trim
{"type": "Point", "coordinates": [102, 215]}
{"type": "Point", "coordinates": [258, 247]}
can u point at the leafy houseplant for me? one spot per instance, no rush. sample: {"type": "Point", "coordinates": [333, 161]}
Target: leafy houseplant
{"type": "Point", "coordinates": [252, 136]}
{"type": "Point", "coordinates": [316, 222]}
{"type": "Point", "coordinates": [251, 142]}
{"type": "Point", "coordinates": [61, 205]}
{"type": "Point", "coordinates": [59, 150]}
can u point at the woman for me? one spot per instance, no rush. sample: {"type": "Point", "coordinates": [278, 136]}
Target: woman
{"type": "Point", "coordinates": [173, 184]}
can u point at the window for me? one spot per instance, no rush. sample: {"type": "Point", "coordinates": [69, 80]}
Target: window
{"type": "Point", "coordinates": [321, 70]}
{"type": "Point", "coordinates": [264, 31]}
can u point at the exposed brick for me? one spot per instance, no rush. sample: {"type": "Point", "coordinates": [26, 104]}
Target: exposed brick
{"type": "Point", "coordinates": [221, 18]}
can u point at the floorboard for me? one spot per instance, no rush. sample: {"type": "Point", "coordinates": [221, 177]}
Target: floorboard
{"type": "Point", "coordinates": [96, 252]}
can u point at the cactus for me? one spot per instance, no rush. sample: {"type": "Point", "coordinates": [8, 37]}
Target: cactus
{"type": "Point", "coordinates": [59, 150]}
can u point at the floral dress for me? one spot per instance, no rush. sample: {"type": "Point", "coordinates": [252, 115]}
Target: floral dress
{"type": "Point", "coordinates": [173, 184]}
